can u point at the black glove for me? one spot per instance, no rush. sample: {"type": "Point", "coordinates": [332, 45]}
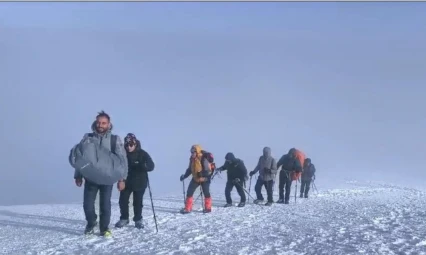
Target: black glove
{"type": "Point", "coordinates": [220, 169]}
{"type": "Point", "coordinates": [251, 173]}
{"type": "Point", "coordinates": [182, 177]}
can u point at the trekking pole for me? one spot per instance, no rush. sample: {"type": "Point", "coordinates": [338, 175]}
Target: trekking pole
{"type": "Point", "coordinates": [183, 189]}
{"type": "Point", "coordinates": [199, 195]}
{"type": "Point", "coordinates": [202, 199]}
{"type": "Point", "coordinates": [215, 173]}
{"type": "Point", "coordinates": [248, 193]}
{"type": "Point", "coordinates": [249, 190]}
{"type": "Point", "coordinates": [295, 192]}
{"type": "Point", "coordinates": [152, 203]}
{"type": "Point", "coordinates": [315, 186]}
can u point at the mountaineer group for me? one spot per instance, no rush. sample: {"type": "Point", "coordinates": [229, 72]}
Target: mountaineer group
{"type": "Point", "coordinates": [101, 159]}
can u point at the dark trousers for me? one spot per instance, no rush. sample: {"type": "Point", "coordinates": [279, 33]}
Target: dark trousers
{"type": "Point", "coordinates": [228, 188]}
{"type": "Point", "coordinates": [137, 203]}
{"type": "Point", "coordinates": [268, 186]}
{"type": "Point", "coordinates": [90, 193]}
{"type": "Point", "coordinates": [285, 182]}
{"type": "Point", "coordinates": [205, 187]}
{"type": "Point", "coordinates": [305, 187]}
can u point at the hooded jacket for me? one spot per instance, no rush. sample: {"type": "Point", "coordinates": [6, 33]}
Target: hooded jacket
{"type": "Point", "coordinates": [266, 166]}
{"type": "Point", "coordinates": [93, 160]}
{"type": "Point", "coordinates": [140, 163]}
{"type": "Point", "coordinates": [292, 162]}
{"type": "Point", "coordinates": [199, 166]}
{"type": "Point", "coordinates": [308, 170]}
{"type": "Point", "coordinates": [235, 167]}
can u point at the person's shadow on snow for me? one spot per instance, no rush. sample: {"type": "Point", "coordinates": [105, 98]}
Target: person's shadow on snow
{"type": "Point", "coordinates": [22, 216]}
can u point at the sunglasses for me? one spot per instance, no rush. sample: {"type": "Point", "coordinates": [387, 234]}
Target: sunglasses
{"type": "Point", "coordinates": [130, 144]}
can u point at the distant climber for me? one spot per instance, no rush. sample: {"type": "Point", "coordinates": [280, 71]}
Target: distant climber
{"type": "Point", "coordinates": [307, 176]}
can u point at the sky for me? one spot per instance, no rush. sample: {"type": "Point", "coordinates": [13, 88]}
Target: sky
{"type": "Point", "coordinates": [343, 82]}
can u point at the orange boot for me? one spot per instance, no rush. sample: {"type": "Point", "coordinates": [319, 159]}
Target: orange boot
{"type": "Point", "coordinates": [188, 205]}
{"type": "Point", "coordinates": [207, 204]}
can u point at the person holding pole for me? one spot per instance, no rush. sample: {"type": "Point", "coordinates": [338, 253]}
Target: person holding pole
{"type": "Point", "coordinates": [140, 163]}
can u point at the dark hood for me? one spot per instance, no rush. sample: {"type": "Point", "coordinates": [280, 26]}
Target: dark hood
{"type": "Point", "coordinates": [230, 156]}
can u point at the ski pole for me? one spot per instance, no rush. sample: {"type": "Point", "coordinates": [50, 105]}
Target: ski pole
{"type": "Point", "coordinates": [183, 189]}
{"type": "Point", "coordinates": [295, 192]}
{"type": "Point", "coordinates": [315, 186]}
{"type": "Point", "coordinates": [215, 173]}
{"type": "Point", "coordinates": [248, 193]}
{"type": "Point", "coordinates": [199, 195]}
{"type": "Point", "coordinates": [202, 199]}
{"type": "Point", "coordinates": [152, 203]}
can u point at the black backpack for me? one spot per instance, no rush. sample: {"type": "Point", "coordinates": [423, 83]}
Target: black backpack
{"type": "Point", "coordinates": [113, 142]}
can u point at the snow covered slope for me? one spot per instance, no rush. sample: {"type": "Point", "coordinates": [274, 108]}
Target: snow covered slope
{"type": "Point", "coordinates": [360, 219]}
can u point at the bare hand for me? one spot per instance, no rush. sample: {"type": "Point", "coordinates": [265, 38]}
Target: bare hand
{"type": "Point", "coordinates": [121, 185]}
{"type": "Point", "coordinates": [78, 182]}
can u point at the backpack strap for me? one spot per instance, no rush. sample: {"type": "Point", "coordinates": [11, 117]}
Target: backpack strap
{"type": "Point", "coordinates": [113, 143]}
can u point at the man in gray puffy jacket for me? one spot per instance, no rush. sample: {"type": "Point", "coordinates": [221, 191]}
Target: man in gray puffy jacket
{"type": "Point", "coordinates": [100, 160]}
{"type": "Point", "coordinates": [267, 168]}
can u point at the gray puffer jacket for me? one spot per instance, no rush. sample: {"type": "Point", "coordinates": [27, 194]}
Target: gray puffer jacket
{"type": "Point", "coordinates": [93, 160]}
{"type": "Point", "coordinates": [266, 166]}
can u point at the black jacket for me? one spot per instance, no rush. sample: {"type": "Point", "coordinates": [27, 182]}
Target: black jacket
{"type": "Point", "coordinates": [289, 163]}
{"type": "Point", "coordinates": [235, 168]}
{"type": "Point", "coordinates": [308, 172]}
{"type": "Point", "coordinates": [140, 163]}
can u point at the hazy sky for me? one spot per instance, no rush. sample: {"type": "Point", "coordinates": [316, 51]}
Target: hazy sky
{"type": "Point", "coordinates": [344, 82]}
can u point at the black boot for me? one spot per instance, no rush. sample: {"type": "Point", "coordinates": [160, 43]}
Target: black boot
{"type": "Point", "coordinates": [90, 228]}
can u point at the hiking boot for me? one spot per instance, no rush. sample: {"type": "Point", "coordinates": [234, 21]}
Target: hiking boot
{"type": "Point", "coordinates": [306, 195]}
{"type": "Point", "coordinates": [89, 230]}
{"type": "Point", "coordinates": [228, 205]}
{"type": "Point", "coordinates": [207, 205]}
{"type": "Point", "coordinates": [301, 195]}
{"type": "Point", "coordinates": [121, 223]}
{"type": "Point", "coordinates": [280, 201]}
{"type": "Point", "coordinates": [188, 205]}
{"type": "Point", "coordinates": [106, 233]}
{"type": "Point", "coordinates": [139, 224]}
{"type": "Point", "coordinates": [258, 201]}
{"type": "Point", "coordinates": [268, 204]}
{"type": "Point", "coordinates": [242, 204]}
{"type": "Point", "coordinates": [184, 211]}
{"type": "Point", "coordinates": [286, 202]}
